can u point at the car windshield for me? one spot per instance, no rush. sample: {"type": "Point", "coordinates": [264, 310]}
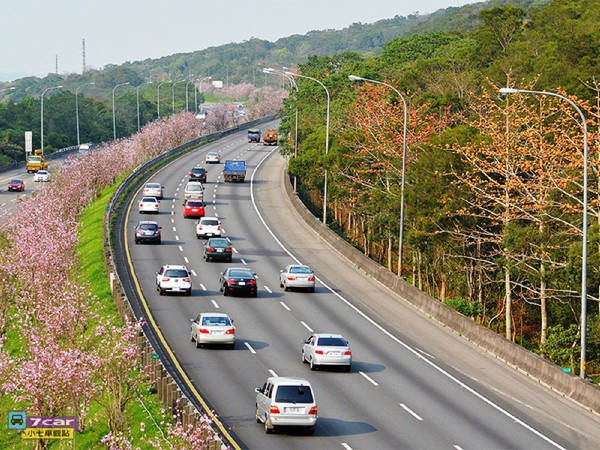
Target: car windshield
{"type": "Point", "coordinates": [149, 200]}
{"type": "Point", "coordinates": [193, 187]}
{"type": "Point", "coordinates": [148, 226]}
{"type": "Point", "coordinates": [197, 170]}
{"type": "Point", "coordinates": [332, 342]}
{"type": "Point", "coordinates": [210, 222]}
{"type": "Point", "coordinates": [195, 204]}
{"type": "Point", "coordinates": [176, 273]}
{"type": "Point", "coordinates": [300, 269]}
{"type": "Point", "coordinates": [213, 154]}
{"type": "Point", "coordinates": [218, 243]}
{"type": "Point", "coordinates": [294, 394]}
{"type": "Point", "coordinates": [216, 321]}
{"type": "Point", "coordinates": [15, 181]}
{"type": "Point", "coordinates": [240, 273]}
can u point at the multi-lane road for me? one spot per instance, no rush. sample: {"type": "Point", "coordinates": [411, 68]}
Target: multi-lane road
{"type": "Point", "coordinates": [413, 383]}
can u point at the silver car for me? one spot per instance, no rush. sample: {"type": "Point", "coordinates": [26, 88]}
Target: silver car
{"type": "Point", "coordinates": [286, 401]}
{"type": "Point", "coordinates": [194, 189]}
{"type": "Point", "coordinates": [153, 190]}
{"type": "Point", "coordinates": [326, 350]}
{"type": "Point", "coordinates": [297, 276]}
{"type": "Point", "coordinates": [213, 328]}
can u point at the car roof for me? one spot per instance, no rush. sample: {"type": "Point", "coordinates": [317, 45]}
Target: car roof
{"type": "Point", "coordinates": [208, 218]}
{"type": "Point", "coordinates": [149, 198]}
{"type": "Point", "coordinates": [153, 184]}
{"type": "Point", "coordinates": [214, 314]}
{"type": "Point", "coordinates": [289, 380]}
{"type": "Point", "coordinates": [147, 222]}
{"type": "Point", "coordinates": [298, 265]}
{"type": "Point", "coordinates": [174, 266]}
{"type": "Point", "coordinates": [332, 335]}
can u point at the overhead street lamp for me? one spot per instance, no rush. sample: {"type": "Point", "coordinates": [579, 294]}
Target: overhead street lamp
{"type": "Point", "coordinates": [42, 116]}
{"type": "Point", "coordinates": [137, 101]}
{"type": "Point", "coordinates": [508, 91]}
{"type": "Point", "coordinates": [401, 233]}
{"type": "Point", "coordinates": [158, 97]}
{"type": "Point", "coordinates": [113, 109]}
{"type": "Point", "coordinates": [77, 107]}
{"type": "Point", "coordinates": [186, 92]}
{"type": "Point", "coordinates": [326, 138]}
{"type": "Point", "coordinates": [295, 86]}
{"type": "Point", "coordinates": [199, 89]}
{"type": "Point", "coordinates": [173, 93]}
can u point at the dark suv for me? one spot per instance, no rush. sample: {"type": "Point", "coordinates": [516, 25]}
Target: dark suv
{"type": "Point", "coordinates": [198, 174]}
{"type": "Point", "coordinates": [147, 231]}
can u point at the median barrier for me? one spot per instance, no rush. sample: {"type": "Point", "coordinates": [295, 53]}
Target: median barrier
{"type": "Point", "coordinates": [517, 357]}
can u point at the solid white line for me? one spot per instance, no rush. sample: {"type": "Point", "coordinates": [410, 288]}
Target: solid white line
{"type": "Point", "coordinates": [214, 302]}
{"type": "Point", "coordinates": [243, 262]}
{"type": "Point", "coordinates": [180, 248]}
{"type": "Point", "coordinates": [194, 273]}
{"type": "Point", "coordinates": [346, 446]}
{"type": "Point", "coordinates": [369, 379]}
{"type": "Point", "coordinates": [250, 348]}
{"type": "Point", "coordinates": [272, 372]}
{"type": "Point", "coordinates": [307, 327]}
{"type": "Point", "coordinates": [268, 290]}
{"type": "Point", "coordinates": [186, 259]}
{"type": "Point", "coordinates": [390, 335]}
{"type": "Point", "coordinates": [285, 306]}
{"type": "Point", "coordinates": [425, 353]}
{"type": "Point", "coordinates": [410, 411]}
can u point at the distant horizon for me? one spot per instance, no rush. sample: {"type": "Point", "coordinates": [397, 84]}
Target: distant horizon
{"type": "Point", "coordinates": [145, 29]}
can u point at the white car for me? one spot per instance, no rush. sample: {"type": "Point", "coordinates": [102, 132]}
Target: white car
{"type": "Point", "coordinates": [297, 276]}
{"type": "Point", "coordinates": [173, 278]}
{"type": "Point", "coordinates": [327, 350]}
{"type": "Point", "coordinates": [153, 190]}
{"type": "Point", "coordinates": [194, 189]}
{"type": "Point", "coordinates": [213, 158]}
{"type": "Point", "coordinates": [148, 205]}
{"type": "Point", "coordinates": [208, 227]}
{"type": "Point", "coordinates": [213, 328]}
{"type": "Point", "coordinates": [41, 175]}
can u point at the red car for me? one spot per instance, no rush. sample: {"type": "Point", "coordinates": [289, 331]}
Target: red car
{"type": "Point", "coordinates": [193, 208]}
{"type": "Point", "coordinates": [16, 185]}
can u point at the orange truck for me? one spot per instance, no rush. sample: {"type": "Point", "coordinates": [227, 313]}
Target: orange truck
{"type": "Point", "coordinates": [270, 137]}
{"type": "Point", "coordinates": [36, 162]}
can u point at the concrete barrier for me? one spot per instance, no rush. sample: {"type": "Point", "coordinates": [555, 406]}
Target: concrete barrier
{"type": "Point", "coordinates": [521, 359]}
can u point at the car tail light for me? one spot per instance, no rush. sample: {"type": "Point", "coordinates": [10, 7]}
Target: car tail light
{"type": "Point", "coordinates": [230, 331]}
{"type": "Point", "coordinates": [219, 227]}
{"type": "Point", "coordinates": [311, 278]}
{"type": "Point", "coordinates": [228, 250]}
{"type": "Point", "coordinates": [291, 278]}
{"type": "Point", "coordinates": [347, 352]}
{"type": "Point", "coordinates": [185, 280]}
{"type": "Point", "coordinates": [203, 331]}
{"type": "Point", "coordinates": [200, 227]}
{"type": "Point", "coordinates": [210, 249]}
{"type": "Point", "coordinates": [158, 231]}
{"type": "Point", "coordinates": [313, 410]}
{"type": "Point", "coordinates": [166, 279]}
{"type": "Point", "coordinates": [252, 282]}
{"type": "Point", "coordinates": [230, 281]}
{"type": "Point", "coordinates": [274, 409]}
{"type": "Point", "coordinates": [141, 204]}
{"type": "Point", "coordinates": [319, 352]}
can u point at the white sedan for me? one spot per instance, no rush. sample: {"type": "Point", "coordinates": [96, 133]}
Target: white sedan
{"type": "Point", "coordinates": [41, 175]}
{"type": "Point", "coordinates": [148, 204]}
{"type": "Point", "coordinates": [153, 190]}
{"type": "Point", "coordinates": [213, 158]}
{"type": "Point", "coordinates": [327, 350]}
{"type": "Point", "coordinates": [297, 276]}
{"type": "Point", "coordinates": [213, 328]}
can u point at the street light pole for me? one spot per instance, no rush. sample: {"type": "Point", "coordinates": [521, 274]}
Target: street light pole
{"type": "Point", "coordinates": [173, 93]}
{"type": "Point", "coordinates": [186, 94]}
{"type": "Point", "coordinates": [77, 107]}
{"type": "Point", "coordinates": [326, 138]}
{"type": "Point", "coordinates": [113, 109]}
{"type": "Point", "coordinates": [583, 362]}
{"type": "Point", "coordinates": [158, 98]}
{"type": "Point", "coordinates": [42, 116]}
{"type": "Point", "coordinates": [137, 102]}
{"type": "Point", "coordinates": [200, 89]}
{"type": "Point", "coordinates": [402, 183]}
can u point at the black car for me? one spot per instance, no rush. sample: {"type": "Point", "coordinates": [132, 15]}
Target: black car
{"type": "Point", "coordinates": [238, 280]}
{"type": "Point", "coordinates": [147, 231]}
{"type": "Point", "coordinates": [198, 174]}
{"type": "Point", "coordinates": [218, 249]}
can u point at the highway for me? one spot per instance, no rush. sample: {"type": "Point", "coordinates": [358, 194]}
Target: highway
{"type": "Point", "coordinates": [413, 383]}
{"type": "Point", "coordinates": [9, 201]}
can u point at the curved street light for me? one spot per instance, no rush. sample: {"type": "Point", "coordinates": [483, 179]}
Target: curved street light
{"type": "Point", "coordinates": [186, 92]}
{"type": "Point", "coordinates": [137, 101]}
{"type": "Point", "coordinates": [42, 116]}
{"type": "Point", "coordinates": [158, 97]}
{"type": "Point", "coordinates": [401, 233]}
{"type": "Point", "coordinates": [77, 107]}
{"type": "Point", "coordinates": [326, 138]}
{"type": "Point", "coordinates": [508, 91]}
{"type": "Point", "coordinates": [199, 89]}
{"type": "Point", "coordinates": [113, 109]}
{"type": "Point", "coordinates": [173, 93]}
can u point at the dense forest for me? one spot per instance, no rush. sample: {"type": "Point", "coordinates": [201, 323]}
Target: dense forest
{"type": "Point", "coordinates": [494, 184]}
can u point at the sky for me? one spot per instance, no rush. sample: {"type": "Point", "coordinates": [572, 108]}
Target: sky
{"type": "Point", "coordinates": [34, 34]}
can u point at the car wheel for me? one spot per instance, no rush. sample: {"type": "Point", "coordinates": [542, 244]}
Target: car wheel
{"type": "Point", "coordinates": [347, 368]}
{"type": "Point", "coordinates": [312, 289]}
{"type": "Point", "coordinates": [310, 430]}
{"type": "Point", "coordinates": [137, 241]}
{"type": "Point", "coordinates": [268, 429]}
{"type": "Point", "coordinates": [225, 293]}
{"type": "Point", "coordinates": [285, 287]}
{"type": "Point", "coordinates": [313, 366]}
{"type": "Point", "coordinates": [198, 344]}
{"type": "Point", "coordinates": [160, 291]}
{"type": "Point", "coordinates": [197, 236]}
{"type": "Point", "coordinates": [230, 346]}
{"type": "Point", "coordinates": [189, 293]}
{"type": "Point", "coordinates": [159, 241]}
{"type": "Point", "coordinates": [256, 414]}
{"type": "Point", "coordinates": [255, 294]}
{"type": "Point", "coordinates": [280, 284]}
{"type": "Point", "coordinates": [192, 337]}
{"type": "Point", "coordinates": [304, 361]}
{"type": "Point", "coordinates": [229, 260]}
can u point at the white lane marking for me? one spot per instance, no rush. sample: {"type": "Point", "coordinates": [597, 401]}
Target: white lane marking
{"type": "Point", "coordinates": [307, 327]}
{"type": "Point", "coordinates": [216, 215]}
{"type": "Point", "coordinates": [3, 204]}
{"type": "Point", "coordinates": [243, 262]}
{"type": "Point", "coordinates": [272, 372]}
{"type": "Point", "coordinates": [194, 273]}
{"type": "Point", "coordinates": [214, 302]}
{"type": "Point", "coordinates": [390, 335]}
{"type": "Point", "coordinates": [268, 290]}
{"type": "Point", "coordinates": [223, 230]}
{"type": "Point", "coordinates": [203, 287]}
{"type": "Point", "coordinates": [176, 238]}
{"type": "Point", "coordinates": [425, 353]}
{"type": "Point", "coordinates": [180, 248]}
{"type": "Point", "coordinates": [250, 348]}
{"type": "Point", "coordinates": [369, 379]}
{"type": "Point", "coordinates": [172, 220]}
{"type": "Point", "coordinates": [174, 229]}
{"type": "Point", "coordinates": [173, 201]}
{"type": "Point", "coordinates": [346, 446]}
{"type": "Point", "coordinates": [234, 250]}
{"type": "Point", "coordinates": [172, 206]}
{"type": "Point", "coordinates": [186, 259]}
{"type": "Point", "coordinates": [457, 447]}
{"type": "Point", "coordinates": [214, 201]}
{"type": "Point", "coordinates": [285, 306]}
{"type": "Point", "coordinates": [410, 411]}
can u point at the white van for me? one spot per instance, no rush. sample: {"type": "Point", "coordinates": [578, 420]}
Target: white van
{"type": "Point", "coordinates": [286, 401]}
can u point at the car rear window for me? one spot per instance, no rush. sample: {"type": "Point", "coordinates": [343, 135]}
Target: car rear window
{"type": "Point", "coordinates": [218, 321]}
{"type": "Point", "coordinates": [176, 273]}
{"type": "Point", "coordinates": [240, 273]}
{"type": "Point", "coordinates": [218, 243]}
{"type": "Point", "coordinates": [148, 226]}
{"type": "Point", "coordinates": [149, 199]}
{"type": "Point", "coordinates": [193, 187]}
{"type": "Point", "coordinates": [209, 222]}
{"type": "Point", "coordinates": [300, 270]}
{"type": "Point", "coordinates": [153, 186]}
{"type": "Point", "coordinates": [195, 204]}
{"type": "Point", "coordinates": [332, 342]}
{"type": "Point", "coordinates": [294, 394]}
{"type": "Point", "coordinates": [198, 170]}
